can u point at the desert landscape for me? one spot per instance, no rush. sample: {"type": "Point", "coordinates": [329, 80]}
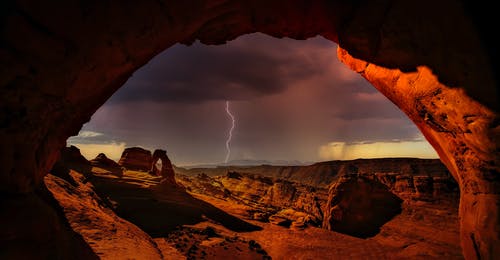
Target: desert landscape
{"type": "Point", "coordinates": [263, 129]}
{"type": "Point", "coordinates": [374, 208]}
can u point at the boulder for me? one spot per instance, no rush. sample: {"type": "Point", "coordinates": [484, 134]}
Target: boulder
{"type": "Point", "coordinates": [359, 206]}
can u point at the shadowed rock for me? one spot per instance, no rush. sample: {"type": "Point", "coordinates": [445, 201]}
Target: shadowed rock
{"type": "Point", "coordinates": [441, 71]}
{"type": "Point", "coordinates": [136, 158]}
{"type": "Point", "coordinates": [101, 160]}
{"type": "Point", "coordinates": [166, 171]}
{"type": "Point", "coordinates": [358, 206]}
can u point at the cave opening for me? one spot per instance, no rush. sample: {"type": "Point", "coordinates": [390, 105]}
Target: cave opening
{"type": "Point", "coordinates": [439, 71]}
{"type": "Point", "coordinates": [297, 96]}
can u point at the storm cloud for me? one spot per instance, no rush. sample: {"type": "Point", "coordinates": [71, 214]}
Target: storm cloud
{"type": "Point", "coordinates": [245, 70]}
{"type": "Point", "coordinates": [292, 100]}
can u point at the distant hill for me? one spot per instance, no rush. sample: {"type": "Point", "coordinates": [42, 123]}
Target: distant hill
{"type": "Point", "coordinates": [321, 174]}
{"type": "Point", "coordinates": [248, 163]}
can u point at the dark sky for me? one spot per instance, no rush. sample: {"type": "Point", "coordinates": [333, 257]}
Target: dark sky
{"type": "Point", "coordinates": [293, 100]}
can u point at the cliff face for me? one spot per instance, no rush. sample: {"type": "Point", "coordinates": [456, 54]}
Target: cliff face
{"type": "Point", "coordinates": [397, 209]}
{"type": "Point", "coordinates": [398, 202]}
{"type": "Point", "coordinates": [264, 197]}
{"type": "Point", "coordinates": [136, 158]}
{"type": "Point", "coordinates": [324, 173]}
{"type": "Point", "coordinates": [377, 181]}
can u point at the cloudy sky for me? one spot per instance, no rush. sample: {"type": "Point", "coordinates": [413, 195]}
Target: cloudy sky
{"type": "Point", "coordinates": [293, 100]}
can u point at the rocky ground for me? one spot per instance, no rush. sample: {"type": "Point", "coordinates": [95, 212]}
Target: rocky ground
{"type": "Point", "coordinates": [240, 215]}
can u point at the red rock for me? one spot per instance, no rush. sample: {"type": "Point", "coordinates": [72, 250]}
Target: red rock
{"type": "Point", "coordinates": [109, 236]}
{"type": "Point", "coordinates": [166, 171]}
{"type": "Point", "coordinates": [359, 206]}
{"type": "Point", "coordinates": [136, 158]}
{"type": "Point", "coordinates": [440, 71]}
{"type": "Point", "coordinates": [404, 184]}
{"type": "Point", "coordinates": [70, 158]}
{"type": "Point", "coordinates": [280, 221]}
{"type": "Point", "coordinates": [423, 186]}
{"type": "Point", "coordinates": [72, 155]}
{"type": "Point", "coordinates": [103, 161]}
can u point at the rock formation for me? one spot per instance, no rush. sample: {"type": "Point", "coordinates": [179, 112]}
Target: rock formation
{"type": "Point", "coordinates": [359, 206]}
{"type": "Point", "coordinates": [166, 171]}
{"type": "Point", "coordinates": [136, 158]}
{"type": "Point", "coordinates": [264, 196]}
{"type": "Point", "coordinates": [70, 158]}
{"type": "Point", "coordinates": [322, 174]}
{"type": "Point", "coordinates": [72, 155]}
{"type": "Point", "coordinates": [109, 236]}
{"type": "Point", "coordinates": [440, 71]}
{"type": "Point", "coordinates": [102, 160]}
{"type": "Point", "coordinates": [110, 166]}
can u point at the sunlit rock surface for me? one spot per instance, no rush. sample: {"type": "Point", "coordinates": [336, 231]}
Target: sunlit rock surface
{"type": "Point", "coordinates": [61, 61]}
{"type": "Point", "coordinates": [465, 135]}
{"type": "Point", "coordinates": [109, 236]}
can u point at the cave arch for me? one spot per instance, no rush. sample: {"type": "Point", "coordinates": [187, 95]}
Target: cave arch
{"type": "Point", "coordinates": [436, 68]}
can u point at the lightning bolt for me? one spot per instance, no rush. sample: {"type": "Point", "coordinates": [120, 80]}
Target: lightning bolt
{"type": "Point", "coordinates": [230, 134]}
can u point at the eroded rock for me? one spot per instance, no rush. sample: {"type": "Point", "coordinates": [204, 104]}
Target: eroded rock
{"type": "Point", "coordinates": [439, 70]}
{"type": "Point", "coordinates": [101, 160]}
{"type": "Point", "coordinates": [136, 158]}
{"type": "Point", "coordinates": [109, 236]}
{"type": "Point", "coordinates": [166, 170]}
{"type": "Point", "coordinates": [359, 206]}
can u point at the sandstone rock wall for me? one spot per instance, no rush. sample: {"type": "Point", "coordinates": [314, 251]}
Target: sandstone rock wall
{"type": "Point", "coordinates": [136, 158]}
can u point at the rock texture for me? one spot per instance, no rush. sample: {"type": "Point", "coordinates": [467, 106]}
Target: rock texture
{"type": "Point", "coordinates": [414, 209]}
{"type": "Point", "coordinates": [465, 141]}
{"type": "Point", "coordinates": [360, 203]}
{"type": "Point", "coordinates": [71, 158]}
{"type": "Point", "coordinates": [136, 158]}
{"type": "Point", "coordinates": [322, 174]}
{"type": "Point", "coordinates": [166, 172]}
{"type": "Point", "coordinates": [440, 71]}
{"type": "Point", "coordinates": [359, 206]}
{"type": "Point", "coordinates": [109, 236]}
{"type": "Point", "coordinates": [266, 199]}
{"type": "Point", "coordinates": [102, 160]}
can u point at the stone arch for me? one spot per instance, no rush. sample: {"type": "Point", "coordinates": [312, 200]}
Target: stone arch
{"type": "Point", "coordinates": [433, 59]}
{"type": "Point", "coordinates": [166, 171]}
{"type": "Point", "coordinates": [158, 165]}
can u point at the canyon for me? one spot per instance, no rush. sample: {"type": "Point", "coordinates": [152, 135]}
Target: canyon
{"type": "Point", "coordinates": [435, 60]}
{"type": "Point", "coordinates": [404, 207]}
